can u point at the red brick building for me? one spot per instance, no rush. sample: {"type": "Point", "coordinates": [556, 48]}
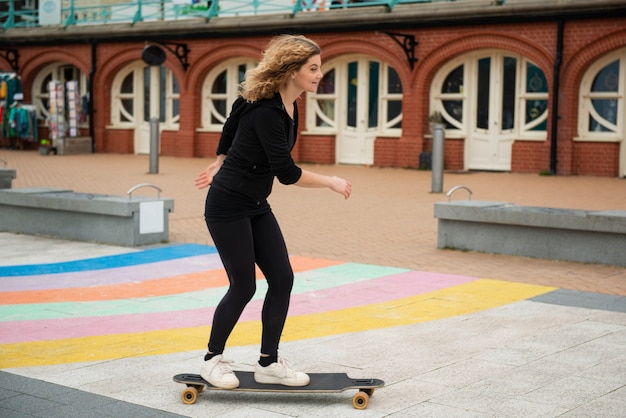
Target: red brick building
{"type": "Point", "coordinates": [522, 85]}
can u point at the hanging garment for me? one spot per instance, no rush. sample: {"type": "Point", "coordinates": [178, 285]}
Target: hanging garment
{"type": "Point", "coordinates": [19, 123]}
{"type": "Point", "coordinates": [13, 85]}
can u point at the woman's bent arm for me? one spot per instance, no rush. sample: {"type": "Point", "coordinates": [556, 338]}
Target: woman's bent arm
{"type": "Point", "coordinates": [334, 183]}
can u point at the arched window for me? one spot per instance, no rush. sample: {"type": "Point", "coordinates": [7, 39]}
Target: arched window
{"type": "Point", "coordinates": [391, 100]}
{"type": "Point", "coordinates": [601, 104]}
{"type": "Point", "coordinates": [125, 85]}
{"type": "Point", "coordinates": [139, 90]}
{"type": "Point", "coordinates": [380, 98]}
{"type": "Point", "coordinates": [58, 71]}
{"type": "Point", "coordinates": [490, 99]}
{"type": "Point", "coordinates": [465, 89]}
{"type": "Point", "coordinates": [220, 90]}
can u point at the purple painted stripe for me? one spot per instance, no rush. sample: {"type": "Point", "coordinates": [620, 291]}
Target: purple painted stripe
{"type": "Point", "coordinates": [90, 278]}
{"type": "Point", "coordinates": [361, 293]}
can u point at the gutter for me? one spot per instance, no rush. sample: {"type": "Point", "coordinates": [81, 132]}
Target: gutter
{"type": "Point", "coordinates": [555, 97]}
{"type": "Point", "coordinates": [90, 91]}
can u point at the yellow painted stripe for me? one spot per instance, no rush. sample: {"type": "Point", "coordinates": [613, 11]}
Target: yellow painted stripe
{"type": "Point", "coordinates": [456, 300]}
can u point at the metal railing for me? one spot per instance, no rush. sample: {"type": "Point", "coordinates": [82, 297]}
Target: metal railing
{"type": "Point", "coordinates": [23, 13]}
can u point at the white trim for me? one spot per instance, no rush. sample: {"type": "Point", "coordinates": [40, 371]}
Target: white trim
{"type": "Point", "coordinates": [586, 109]}
{"type": "Point", "coordinates": [468, 61]}
{"type": "Point", "coordinates": [465, 95]}
{"type": "Point", "coordinates": [335, 99]}
{"type": "Point", "coordinates": [117, 109]}
{"type": "Point", "coordinates": [171, 122]}
{"type": "Point", "coordinates": [208, 112]}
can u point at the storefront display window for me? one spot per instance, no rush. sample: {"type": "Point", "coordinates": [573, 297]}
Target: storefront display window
{"type": "Point", "coordinates": [220, 90]}
{"type": "Point", "coordinates": [60, 72]}
{"type": "Point", "coordinates": [602, 99]}
{"type": "Point", "coordinates": [510, 99]}
{"type": "Point", "coordinates": [137, 88]}
{"type": "Point", "coordinates": [381, 99]}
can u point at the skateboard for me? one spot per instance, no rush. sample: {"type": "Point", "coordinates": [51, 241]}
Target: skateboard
{"type": "Point", "coordinates": [320, 383]}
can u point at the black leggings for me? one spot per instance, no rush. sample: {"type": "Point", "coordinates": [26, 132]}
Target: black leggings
{"type": "Point", "coordinates": [241, 244]}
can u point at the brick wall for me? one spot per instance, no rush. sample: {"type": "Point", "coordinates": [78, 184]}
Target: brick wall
{"type": "Point", "coordinates": [585, 42]}
{"type": "Point", "coordinates": [531, 156]}
{"type": "Point", "coordinates": [316, 149]}
{"type": "Point", "coordinates": [596, 159]}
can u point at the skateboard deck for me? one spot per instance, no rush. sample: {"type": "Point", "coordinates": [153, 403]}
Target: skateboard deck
{"type": "Point", "coordinates": [320, 383]}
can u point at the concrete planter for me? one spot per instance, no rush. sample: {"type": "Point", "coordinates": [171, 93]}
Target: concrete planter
{"type": "Point", "coordinates": [597, 237]}
{"type": "Point", "coordinates": [119, 220]}
{"type": "Point", "coordinates": [7, 175]}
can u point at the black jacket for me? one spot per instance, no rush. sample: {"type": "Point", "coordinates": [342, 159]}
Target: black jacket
{"type": "Point", "coordinates": [256, 139]}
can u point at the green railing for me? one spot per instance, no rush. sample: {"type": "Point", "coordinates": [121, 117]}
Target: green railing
{"type": "Point", "coordinates": [17, 14]}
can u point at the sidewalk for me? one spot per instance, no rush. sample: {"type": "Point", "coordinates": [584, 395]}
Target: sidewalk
{"type": "Point", "coordinates": [387, 221]}
{"type": "Point", "coordinates": [498, 335]}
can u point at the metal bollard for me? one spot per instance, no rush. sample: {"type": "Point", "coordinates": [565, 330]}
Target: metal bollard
{"type": "Point", "coordinates": [437, 159]}
{"type": "Point", "coordinates": [154, 146]}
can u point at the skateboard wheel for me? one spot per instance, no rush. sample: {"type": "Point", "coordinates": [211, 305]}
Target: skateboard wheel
{"type": "Point", "coordinates": [370, 392]}
{"type": "Point", "coordinates": [189, 395]}
{"type": "Point", "coordinates": [360, 400]}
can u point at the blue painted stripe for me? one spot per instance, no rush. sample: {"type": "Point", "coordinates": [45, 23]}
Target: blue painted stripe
{"type": "Point", "coordinates": [151, 255]}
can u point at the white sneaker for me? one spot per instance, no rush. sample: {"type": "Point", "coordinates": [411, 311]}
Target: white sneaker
{"type": "Point", "coordinates": [280, 373]}
{"type": "Point", "coordinates": [217, 372]}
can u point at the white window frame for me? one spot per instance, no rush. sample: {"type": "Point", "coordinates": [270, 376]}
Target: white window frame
{"type": "Point", "coordinates": [385, 98]}
{"type": "Point", "coordinates": [209, 111]}
{"type": "Point", "coordinates": [469, 62]}
{"type": "Point", "coordinates": [383, 125]}
{"type": "Point", "coordinates": [171, 122]}
{"type": "Point", "coordinates": [117, 109]}
{"type": "Point", "coordinates": [586, 96]}
{"type": "Point", "coordinates": [314, 111]}
{"type": "Point", "coordinates": [525, 130]}
{"type": "Point", "coordinates": [459, 129]}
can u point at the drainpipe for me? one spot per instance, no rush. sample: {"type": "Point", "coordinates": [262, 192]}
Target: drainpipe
{"type": "Point", "coordinates": [555, 97]}
{"type": "Point", "coordinates": [90, 91]}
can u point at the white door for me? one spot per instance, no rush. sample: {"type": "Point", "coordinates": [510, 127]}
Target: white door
{"type": "Point", "coordinates": [358, 111]}
{"type": "Point", "coordinates": [492, 113]}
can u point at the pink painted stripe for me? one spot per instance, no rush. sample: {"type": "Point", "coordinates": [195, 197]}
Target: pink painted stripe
{"type": "Point", "coordinates": [342, 297]}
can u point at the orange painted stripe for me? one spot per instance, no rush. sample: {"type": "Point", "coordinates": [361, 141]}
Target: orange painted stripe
{"type": "Point", "coordinates": [150, 288]}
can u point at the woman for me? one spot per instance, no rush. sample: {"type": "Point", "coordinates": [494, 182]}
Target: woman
{"type": "Point", "coordinates": [254, 148]}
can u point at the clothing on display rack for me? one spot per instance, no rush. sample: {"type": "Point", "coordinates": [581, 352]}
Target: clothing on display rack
{"type": "Point", "coordinates": [22, 124]}
{"type": "Point", "coordinates": [10, 85]}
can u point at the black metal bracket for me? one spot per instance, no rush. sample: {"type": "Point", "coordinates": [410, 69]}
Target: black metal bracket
{"type": "Point", "coordinates": [12, 57]}
{"type": "Point", "coordinates": [181, 51]}
{"type": "Point", "coordinates": [408, 44]}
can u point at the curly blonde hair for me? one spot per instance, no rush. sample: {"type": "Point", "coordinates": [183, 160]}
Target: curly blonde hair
{"type": "Point", "coordinates": [284, 55]}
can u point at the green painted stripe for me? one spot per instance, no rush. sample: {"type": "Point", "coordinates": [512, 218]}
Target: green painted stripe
{"type": "Point", "coordinates": [307, 281]}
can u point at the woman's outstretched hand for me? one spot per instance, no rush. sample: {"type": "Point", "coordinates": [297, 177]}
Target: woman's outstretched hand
{"type": "Point", "coordinates": [341, 186]}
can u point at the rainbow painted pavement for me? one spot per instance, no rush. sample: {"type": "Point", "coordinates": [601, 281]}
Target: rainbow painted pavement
{"type": "Point", "coordinates": [161, 300]}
